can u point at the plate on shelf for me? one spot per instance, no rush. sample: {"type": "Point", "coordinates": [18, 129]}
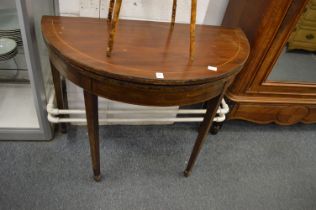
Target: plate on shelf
{"type": "Point", "coordinates": [7, 46]}
{"type": "Point", "coordinates": [4, 32]}
{"type": "Point", "coordinates": [12, 35]}
{"type": "Point", "coordinates": [17, 39]}
{"type": "Point", "coordinates": [8, 56]}
{"type": "Point", "coordinates": [9, 53]}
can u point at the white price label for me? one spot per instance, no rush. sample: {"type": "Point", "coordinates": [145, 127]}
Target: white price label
{"type": "Point", "coordinates": [212, 68]}
{"type": "Point", "coordinates": [159, 75]}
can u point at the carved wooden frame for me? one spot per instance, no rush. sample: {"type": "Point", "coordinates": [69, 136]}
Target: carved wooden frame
{"type": "Point", "coordinates": [257, 99]}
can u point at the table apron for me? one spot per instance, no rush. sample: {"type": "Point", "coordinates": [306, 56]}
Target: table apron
{"type": "Point", "coordinates": [136, 93]}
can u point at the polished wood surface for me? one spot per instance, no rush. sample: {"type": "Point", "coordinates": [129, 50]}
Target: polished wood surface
{"type": "Point", "coordinates": [76, 47]}
{"type": "Point", "coordinates": [141, 52]}
{"type": "Point", "coordinates": [255, 98]}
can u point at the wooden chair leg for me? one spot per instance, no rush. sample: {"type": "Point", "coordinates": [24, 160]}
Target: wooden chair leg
{"type": "Point", "coordinates": [192, 29]}
{"type": "Point", "coordinates": [212, 106]}
{"type": "Point", "coordinates": [117, 8]}
{"type": "Point", "coordinates": [59, 94]}
{"type": "Point", "coordinates": [91, 105]}
{"type": "Point", "coordinates": [110, 13]}
{"type": "Point", "coordinates": [174, 12]}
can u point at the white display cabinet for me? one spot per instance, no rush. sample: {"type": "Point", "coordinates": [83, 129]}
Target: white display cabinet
{"type": "Point", "coordinates": [25, 79]}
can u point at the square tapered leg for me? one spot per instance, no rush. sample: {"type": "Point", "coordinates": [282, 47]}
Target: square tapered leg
{"type": "Point", "coordinates": [60, 97]}
{"type": "Point", "coordinates": [91, 105]}
{"type": "Point", "coordinates": [211, 109]}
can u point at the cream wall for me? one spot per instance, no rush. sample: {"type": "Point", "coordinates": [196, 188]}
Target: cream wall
{"type": "Point", "coordinates": [209, 11]}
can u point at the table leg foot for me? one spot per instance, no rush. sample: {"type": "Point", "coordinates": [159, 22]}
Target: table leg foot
{"type": "Point", "coordinates": [97, 178]}
{"type": "Point", "coordinates": [187, 173]}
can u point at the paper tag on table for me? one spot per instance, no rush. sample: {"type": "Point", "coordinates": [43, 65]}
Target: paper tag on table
{"type": "Point", "coordinates": [212, 68]}
{"type": "Point", "coordinates": [159, 75]}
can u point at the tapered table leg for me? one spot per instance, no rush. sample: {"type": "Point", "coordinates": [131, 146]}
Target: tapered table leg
{"type": "Point", "coordinates": [64, 90]}
{"type": "Point", "coordinates": [91, 104]}
{"type": "Point", "coordinates": [192, 29]}
{"type": "Point", "coordinates": [110, 13]}
{"type": "Point", "coordinates": [59, 94]}
{"type": "Point", "coordinates": [212, 106]}
{"type": "Point", "coordinates": [117, 8]}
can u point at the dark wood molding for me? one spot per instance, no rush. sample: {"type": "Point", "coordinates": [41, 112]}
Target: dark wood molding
{"type": "Point", "coordinates": [282, 114]}
{"type": "Point", "coordinates": [268, 30]}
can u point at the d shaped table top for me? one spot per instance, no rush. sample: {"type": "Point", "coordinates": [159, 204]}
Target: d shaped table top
{"type": "Point", "coordinates": [143, 49]}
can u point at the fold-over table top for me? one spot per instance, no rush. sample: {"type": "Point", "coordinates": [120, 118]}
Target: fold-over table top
{"type": "Point", "coordinates": [144, 48]}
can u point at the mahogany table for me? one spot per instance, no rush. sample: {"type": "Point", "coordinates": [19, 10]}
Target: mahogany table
{"type": "Point", "coordinates": [150, 66]}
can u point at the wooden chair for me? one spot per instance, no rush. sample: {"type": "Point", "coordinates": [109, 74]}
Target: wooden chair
{"type": "Point", "coordinates": [116, 5]}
